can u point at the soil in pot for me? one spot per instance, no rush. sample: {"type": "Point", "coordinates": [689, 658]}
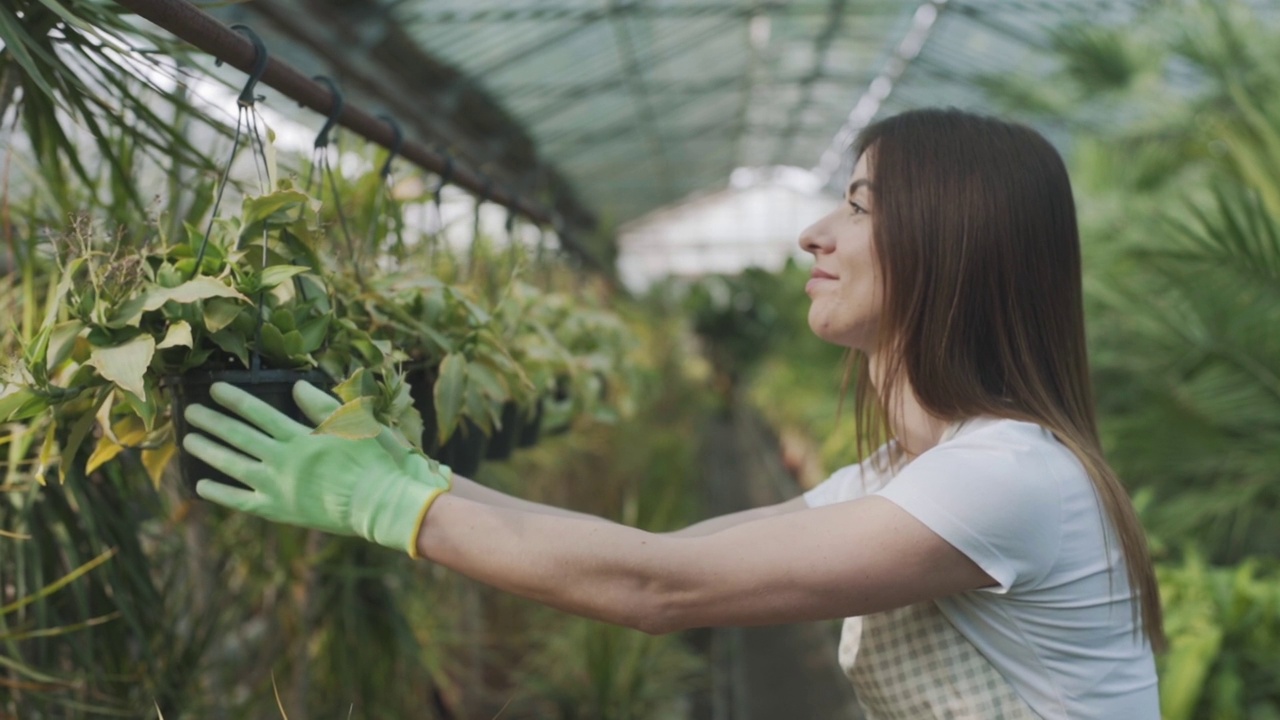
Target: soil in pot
{"type": "Point", "coordinates": [274, 387]}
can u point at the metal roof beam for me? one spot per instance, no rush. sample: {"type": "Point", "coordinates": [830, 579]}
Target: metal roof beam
{"type": "Point", "coordinates": [750, 72]}
{"type": "Point", "coordinates": [702, 9]}
{"type": "Point", "coordinates": [646, 120]}
{"type": "Point", "coordinates": [821, 46]}
{"type": "Point", "coordinates": [533, 48]}
{"type": "Point", "coordinates": [550, 110]}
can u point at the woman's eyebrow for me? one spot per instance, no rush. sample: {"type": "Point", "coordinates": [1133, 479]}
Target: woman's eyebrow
{"type": "Point", "coordinates": [859, 183]}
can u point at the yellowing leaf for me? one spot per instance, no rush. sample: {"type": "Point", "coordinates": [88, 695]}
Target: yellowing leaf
{"type": "Point", "coordinates": [47, 450]}
{"type": "Point", "coordinates": [155, 460]}
{"type": "Point", "coordinates": [125, 365]}
{"type": "Point", "coordinates": [354, 421]}
{"type": "Point", "coordinates": [129, 431]}
{"type": "Point", "coordinates": [105, 451]}
{"type": "Point", "coordinates": [178, 334]}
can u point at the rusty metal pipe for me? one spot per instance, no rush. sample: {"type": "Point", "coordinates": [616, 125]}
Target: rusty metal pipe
{"type": "Point", "coordinates": [190, 23]}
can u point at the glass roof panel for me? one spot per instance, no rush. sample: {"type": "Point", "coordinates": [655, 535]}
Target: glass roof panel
{"type": "Point", "coordinates": [642, 102]}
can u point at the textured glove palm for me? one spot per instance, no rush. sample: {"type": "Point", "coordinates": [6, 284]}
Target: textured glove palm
{"type": "Point", "coordinates": [375, 488]}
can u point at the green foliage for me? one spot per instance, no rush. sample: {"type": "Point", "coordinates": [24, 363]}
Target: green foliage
{"type": "Point", "coordinates": [1224, 628]}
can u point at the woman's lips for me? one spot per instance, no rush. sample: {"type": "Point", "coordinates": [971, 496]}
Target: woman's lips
{"type": "Point", "coordinates": [816, 279]}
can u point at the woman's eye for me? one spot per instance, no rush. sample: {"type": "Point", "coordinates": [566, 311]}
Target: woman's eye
{"type": "Point", "coordinates": [857, 209]}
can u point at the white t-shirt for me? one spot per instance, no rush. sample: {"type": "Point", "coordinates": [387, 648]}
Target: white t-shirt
{"type": "Point", "coordinates": [1058, 625]}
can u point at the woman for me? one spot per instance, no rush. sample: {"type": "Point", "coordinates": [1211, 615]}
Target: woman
{"type": "Point", "coordinates": [987, 560]}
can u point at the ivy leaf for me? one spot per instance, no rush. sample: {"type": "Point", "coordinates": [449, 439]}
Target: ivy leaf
{"type": "Point", "coordinates": [354, 421]}
{"type": "Point", "coordinates": [200, 288]}
{"type": "Point", "coordinates": [450, 393]}
{"type": "Point", "coordinates": [178, 335]}
{"type": "Point", "coordinates": [360, 384]}
{"type": "Point", "coordinates": [126, 364]}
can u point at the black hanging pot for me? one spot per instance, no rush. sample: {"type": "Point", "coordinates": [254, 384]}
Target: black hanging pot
{"type": "Point", "coordinates": [274, 387]}
{"type": "Point", "coordinates": [506, 438]}
{"type": "Point", "coordinates": [531, 425]}
{"type": "Point", "coordinates": [466, 447]}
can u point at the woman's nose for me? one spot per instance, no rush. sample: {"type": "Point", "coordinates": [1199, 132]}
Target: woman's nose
{"type": "Point", "coordinates": [815, 238]}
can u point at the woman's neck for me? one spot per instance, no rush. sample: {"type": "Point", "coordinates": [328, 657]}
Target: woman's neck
{"type": "Point", "coordinates": [913, 427]}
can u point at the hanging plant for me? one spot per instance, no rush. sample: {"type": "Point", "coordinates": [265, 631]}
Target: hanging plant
{"type": "Point", "coordinates": [134, 335]}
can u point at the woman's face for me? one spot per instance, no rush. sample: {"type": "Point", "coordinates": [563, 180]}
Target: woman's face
{"type": "Point", "coordinates": [844, 284]}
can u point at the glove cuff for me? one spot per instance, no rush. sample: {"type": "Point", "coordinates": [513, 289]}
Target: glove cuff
{"type": "Point", "coordinates": [422, 517]}
{"type": "Point", "coordinates": [399, 515]}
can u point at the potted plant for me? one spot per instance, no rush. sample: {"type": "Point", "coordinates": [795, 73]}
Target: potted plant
{"type": "Point", "coordinates": [135, 334]}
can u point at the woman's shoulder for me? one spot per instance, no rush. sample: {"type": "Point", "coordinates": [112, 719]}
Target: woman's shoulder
{"type": "Point", "coordinates": [1023, 450]}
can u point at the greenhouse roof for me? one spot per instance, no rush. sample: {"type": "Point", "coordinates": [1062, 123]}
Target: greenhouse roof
{"type": "Point", "coordinates": [640, 103]}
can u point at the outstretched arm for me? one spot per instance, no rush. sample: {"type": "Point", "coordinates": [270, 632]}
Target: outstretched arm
{"type": "Point", "coordinates": [474, 491]}
{"type": "Point", "coordinates": [845, 559]}
{"type": "Point", "coordinates": [716, 524]}
{"type": "Point", "coordinates": [848, 559]}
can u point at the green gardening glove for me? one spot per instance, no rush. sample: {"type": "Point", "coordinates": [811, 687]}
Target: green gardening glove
{"type": "Point", "coordinates": [374, 488]}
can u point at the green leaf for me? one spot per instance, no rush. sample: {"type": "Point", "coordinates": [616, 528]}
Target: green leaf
{"type": "Point", "coordinates": [293, 343]}
{"type": "Point", "coordinates": [354, 421]}
{"type": "Point", "coordinates": [277, 207]}
{"type": "Point", "coordinates": [79, 431]}
{"type": "Point", "coordinates": [277, 274]}
{"type": "Point", "coordinates": [126, 364]}
{"type": "Point", "coordinates": [283, 319]}
{"type": "Point", "coordinates": [450, 393]}
{"type": "Point", "coordinates": [200, 288]}
{"type": "Point", "coordinates": [360, 384]}
{"type": "Point", "coordinates": [487, 381]}
{"type": "Point", "coordinates": [178, 335]}
{"type": "Point", "coordinates": [219, 312]}
{"type": "Point", "coordinates": [21, 404]}
{"type": "Point", "coordinates": [61, 340]}
{"type": "Point", "coordinates": [146, 407]}
{"type": "Point", "coordinates": [273, 343]}
{"type": "Point", "coordinates": [314, 332]}
{"type": "Point", "coordinates": [232, 342]}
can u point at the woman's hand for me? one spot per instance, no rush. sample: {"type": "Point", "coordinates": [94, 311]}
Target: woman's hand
{"type": "Point", "coordinates": [375, 488]}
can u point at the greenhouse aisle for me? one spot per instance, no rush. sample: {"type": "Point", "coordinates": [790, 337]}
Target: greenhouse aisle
{"type": "Point", "coordinates": [778, 671]}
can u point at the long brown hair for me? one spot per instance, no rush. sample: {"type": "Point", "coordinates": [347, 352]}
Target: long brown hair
{"type": "Point", "coordinates": [979, 255]}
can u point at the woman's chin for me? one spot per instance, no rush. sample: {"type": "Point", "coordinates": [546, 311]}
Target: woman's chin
{"type": "Point", "coordinates": [854, 338]}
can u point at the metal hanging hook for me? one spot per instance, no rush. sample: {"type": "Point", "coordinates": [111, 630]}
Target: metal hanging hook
{"type": "Point", "coordinates": [260, 58]}
{"type": "Point", "coordinates": [396, 144]}
{"type": "Point", "coordinates": [322, 139]}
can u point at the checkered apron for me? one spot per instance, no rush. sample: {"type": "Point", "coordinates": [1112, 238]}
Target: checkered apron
{"type": "Point", "coordinates": [912, 664]}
